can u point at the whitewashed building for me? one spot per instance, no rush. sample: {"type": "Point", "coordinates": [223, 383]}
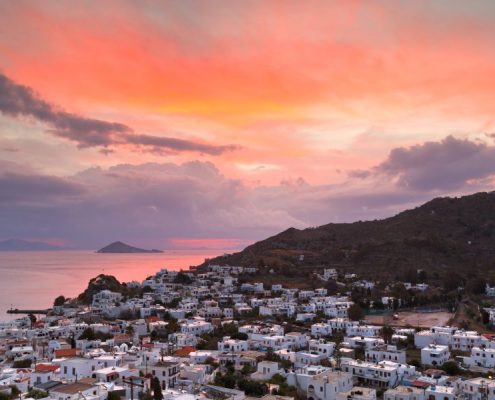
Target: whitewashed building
{"type": "Point", "coordinates": [435, 355]}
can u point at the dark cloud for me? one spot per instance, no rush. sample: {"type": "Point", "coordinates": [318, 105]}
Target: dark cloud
{"type": "Point", "coordinates": [177, 144]}
{"type": "Point", "coordinates": [360, 173]}
{"type": "Point", "coordinates": [149, 204]}
{"type": "Point", "coordinates": [22, 188]}
{"type": "Point", "coordinates": [449, 164]}
{"type": "Point", "coordinates": [21, 101]}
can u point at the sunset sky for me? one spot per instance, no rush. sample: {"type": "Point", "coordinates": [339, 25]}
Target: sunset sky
{"type": "Point", "coordinates": [189, 124]}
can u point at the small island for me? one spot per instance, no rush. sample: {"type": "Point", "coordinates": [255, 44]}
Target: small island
{"type": "Point", "coordinates": [121, 247]}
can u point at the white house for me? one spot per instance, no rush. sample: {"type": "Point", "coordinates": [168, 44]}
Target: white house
{"type": "Point", "coordinates": [465, 340]}
{"type": "Point", "coordinates": [76, 368]}
{"type": "Point", "coordinates": [436, 392]}
{"type": "Point", "coordinates": [404, 393]}
{"type": "Point", "coordinates": [385, 374]}
{"type": "Point", "coordinates": [385, 352]}
{"type": "Point", "coordinates": [478, 389]}
{"type": "Point", "coordinates": [329, 273]}
{"type": "Point", "coordinates": [435, 354]}
{"type": "Point", "coordinates": [321, 347]}
{"type": "Point", "coordinates": [321, 329]}
{"type": "Point", "coordinates": [320, 383]}
{"type": "Point", "coordinates": [104, 300]}
{"type": "Point", "coordinates": [167, 372]}
{"type": "Point", "coordinates": [363, 342]}
{"type": "Point", "coordinates": [265, 371]}
{"type": "Point", "coordinates": [364, 330]}
{"type": "Point", "coordinates": [358, 393]}
{"type": "Point", "coordinates": [196, 327]}
{"type": "Point", "coordinates": [200, 356]}
{"type": "Point", "coordinates": [76, 391]}
{"type": "Point", "coordinates": [490, 291]}
{"type": "Point", "coordinates": [307, 358]}
{"type": "Point", "coordinates": [43, 373]}
{"type": "Point", "coordinates": [232, 345]}
{"type": "Point", "coordinates": [435, 335]}
{"type": "Point", "coordinates": [481, 357]}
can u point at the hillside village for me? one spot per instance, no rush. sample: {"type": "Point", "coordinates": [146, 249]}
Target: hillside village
{"type": "Point", "coordinates": [215, 333]}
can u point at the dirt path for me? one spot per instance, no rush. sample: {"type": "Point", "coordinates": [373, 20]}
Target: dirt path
{"type": "Point", "coordinates": [414, 319]}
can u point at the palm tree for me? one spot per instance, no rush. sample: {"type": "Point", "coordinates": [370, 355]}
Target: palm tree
{"type": "Point", "coordinates": [386, 333]}
{"type": "Point", "coordinates": [129, 330]}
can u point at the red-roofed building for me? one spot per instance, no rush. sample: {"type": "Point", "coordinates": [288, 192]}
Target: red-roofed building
{"type": "Point", "coordinates": [122, 338]}
{"type": "Point", "coordinates": [420, 384]}
{"type": "Point", "coordinates": [67, 353]}
{"type": "Point", "coordinates": [46, 368]}
{"type": "Point", "coordinates": [184, 351]}
{"type": "Point", "coordinates": [43, 373]}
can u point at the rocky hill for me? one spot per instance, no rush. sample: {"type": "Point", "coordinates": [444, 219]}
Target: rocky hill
{"type": "Point", "coordinates": [120, 247]}
{"type": "Point", "coordinates": [99, 283]}
{"type": "Point", "coordinates": [442, 235]}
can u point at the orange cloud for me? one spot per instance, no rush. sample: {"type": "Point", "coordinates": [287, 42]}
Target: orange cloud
{"type": "Point", "coordinates": [291, 82]}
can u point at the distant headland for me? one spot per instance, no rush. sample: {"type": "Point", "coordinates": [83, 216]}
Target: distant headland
{"type": "Point", "coordinates": [25, 245]}
{"type": "Point", "coordinates": [121, 247]}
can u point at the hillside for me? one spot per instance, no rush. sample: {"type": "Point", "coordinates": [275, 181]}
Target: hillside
{"type": "Point", "coordinates": [120, 247]}
{"type": "Point", "coordinates": [443, 234]}
{"type": "Point", "coordinates": [25, 245]}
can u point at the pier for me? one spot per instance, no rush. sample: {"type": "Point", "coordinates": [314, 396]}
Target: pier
{"type": "Point", "coordinates": [19, 311]}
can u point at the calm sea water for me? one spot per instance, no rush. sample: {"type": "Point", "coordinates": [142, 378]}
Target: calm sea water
{"type": "Point", "coordinates": [33, 279]}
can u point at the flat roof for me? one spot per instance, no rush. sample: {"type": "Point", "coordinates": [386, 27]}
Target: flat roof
{"type": "Point", "coordinates": [72, 388]}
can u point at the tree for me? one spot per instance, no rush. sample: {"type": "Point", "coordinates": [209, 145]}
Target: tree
{"type": "Point", "coordinates": [172, 326]}
{"type": "Point", "coordinates": [355, 313]}
{"type": "Point", "coordinates": [451, 368]}
{"type": "Point", "coordinates": [157, 389]}
{"type": "Point", "coordinates": [89, 334]}
{"type": "Point", "coordinates": [32, 318]}
{"type": "Point", "coordinates": [36, 394]}
{"type": "Point", "coordinates": [182, 278]}
{"type": "Point", "coordinates": [247, 369]}
{"type": "Point", "coordinates": [359, 353]}
{"type": "Point", "coordinates": [129, 330]}
{"type": "Point", "coordinates": [387, 333]}
{"type": "Point", "coordinates": [476, 285]}
{"type": "Point", "coordinates": [59, 301]}
{"type": "Point", "coordinates": [277, 379]}
{"type": "Point", "coordinates": [252, 388]}
{"type": "Point", "coordinates": [422, 276]}
{"type": "Point", "coordinates": [225, 380]}
{"type": "Point", "coordinates": [485, 316]}
{"type": "Point", "coordinates": [22, 364]}
{"type": "Point", "coordinates": [452, 281]}
{"type": "Point", "coordinates": [145, 395]}
{"type": "Point", "coordinates": [240, 336]}
{"type": "Point", "coordinates": [410, 275]}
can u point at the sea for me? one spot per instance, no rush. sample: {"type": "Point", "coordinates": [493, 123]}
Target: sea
{"type": "Point", "coordinates": [32, 280]}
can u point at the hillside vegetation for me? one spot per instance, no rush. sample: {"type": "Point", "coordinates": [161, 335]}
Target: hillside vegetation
{"type": "Point", "coordinates": [445, 234]}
